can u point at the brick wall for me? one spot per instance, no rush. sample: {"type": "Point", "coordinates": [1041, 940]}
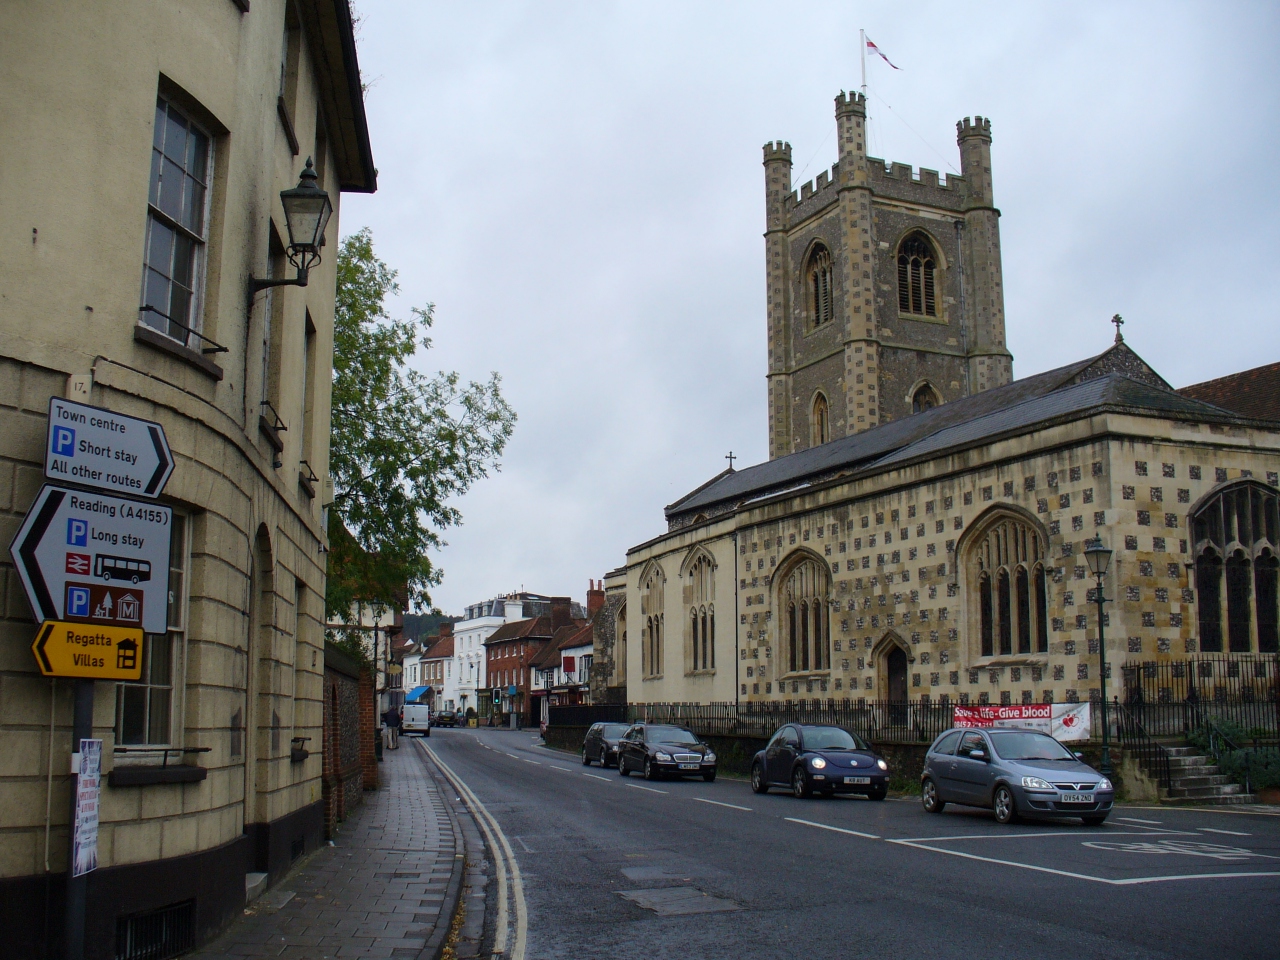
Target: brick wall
{"type": "Point", "coordinates": [342, 771]}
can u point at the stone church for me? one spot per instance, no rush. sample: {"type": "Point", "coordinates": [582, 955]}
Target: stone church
{"type": "Point", "coordinates": [918, 531]}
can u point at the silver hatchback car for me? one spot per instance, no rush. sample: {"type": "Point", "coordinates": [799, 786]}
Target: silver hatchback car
{"type": "Point", "coordinates": [1014, 773]}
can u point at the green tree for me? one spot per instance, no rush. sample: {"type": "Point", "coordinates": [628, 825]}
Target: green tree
{"type": "Point", "coordinates": [403, 445]}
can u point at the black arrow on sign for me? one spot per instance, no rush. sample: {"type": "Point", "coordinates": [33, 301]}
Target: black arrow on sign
{"type": "Point", "coordinates": [154, 483]}
{"type": "Point", "coordinates": [45, 633]}
{"type": "Point", "coordinates": [27, 551]}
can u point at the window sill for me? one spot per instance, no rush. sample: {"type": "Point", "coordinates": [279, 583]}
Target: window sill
{"type": "Point", "coordinates": [700, 673]}
{"type": "Point", "coordinates": [306, 486]}
{"type": "Point", "coordinates": [154, 338]}
{"type": "Point", "coordinates": [145, 775]}
{"type": "Point", "coordinates": [807, 675]}
{"type": "Point", "coordinates": [286, 121]}
{"type": "Point", "coordinates": [652, 676]}
{"type": "Point", "coordinates": [920, 318]}
{"type": "Point", "coordinates": [272, 435]}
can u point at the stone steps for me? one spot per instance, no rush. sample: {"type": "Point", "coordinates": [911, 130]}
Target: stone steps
{"type": "Point", "coordinates": [1195, 780]}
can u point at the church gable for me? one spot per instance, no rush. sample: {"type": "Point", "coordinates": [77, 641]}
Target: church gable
{"type": "Point", "coordinates": [1119, 359]}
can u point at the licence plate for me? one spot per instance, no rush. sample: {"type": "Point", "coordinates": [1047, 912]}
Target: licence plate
{"type": "Point", "coordinates": [1076, 798]}
{"type": "Point", "coordinates": [857, 779]}
{"type": "Point", "coordinates": [688, 766]}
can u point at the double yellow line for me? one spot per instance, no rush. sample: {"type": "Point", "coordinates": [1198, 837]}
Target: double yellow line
{"type": "Point", "coordinates": [510, 881]}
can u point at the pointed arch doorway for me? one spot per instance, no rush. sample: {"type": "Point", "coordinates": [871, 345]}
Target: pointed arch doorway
{"type": "Point", "coordinates": [892, 660]}
{"type": "Point", "coordinates": [895, 663]}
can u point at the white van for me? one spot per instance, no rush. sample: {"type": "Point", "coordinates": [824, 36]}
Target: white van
{"type": "Point", "coordinates": [416, 719]}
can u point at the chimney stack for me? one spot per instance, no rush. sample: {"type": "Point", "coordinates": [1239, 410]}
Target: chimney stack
{"type": "Point", "coordinates": [561, 613]}
{"type": "Point", "coordinates": [595, 597]}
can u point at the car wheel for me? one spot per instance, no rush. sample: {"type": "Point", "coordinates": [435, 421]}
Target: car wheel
{"type": "Point", "coordinates": [650, 772]}
{"type": "Point", "coordinates": [759, 783]}
{"type": "Point", "coordinates": [709, 777]}
{"type": "Point", "coordinates": [800, 788]}
{"type": "Point", "coordinates": [1094, 821]}
{"type": "Point", "coordinates": [586, 760]}
{"type": "Point", "coordinates": [1005, 807]}
{"type": "Point", "coordinates": [929, 798]}
{"type": "Point", "coordinates": [622, 766]}
{"type": "Point", "coordinates": [878, 793]}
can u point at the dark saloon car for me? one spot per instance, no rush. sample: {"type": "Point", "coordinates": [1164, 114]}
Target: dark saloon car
{"type": "Point", "coordinates": [445, 718]}
{"type": "Point", "coordinates": [601, 744]}
{"type": "Point", "coordinates": [659, 750]}
{"type": "Point", "coordinates": [1013, 772]}
{"type": "Point", "coordinates": [808, 757]}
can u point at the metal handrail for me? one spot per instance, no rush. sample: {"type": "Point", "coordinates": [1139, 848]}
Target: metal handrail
{"type": "Point", "coordinates": [165, 751]}
{"type": "Point", "coordinates": [1151, 754]}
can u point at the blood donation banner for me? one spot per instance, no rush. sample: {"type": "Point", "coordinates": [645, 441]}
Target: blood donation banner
{"type": "Point", "coordinates": [1063, 721]}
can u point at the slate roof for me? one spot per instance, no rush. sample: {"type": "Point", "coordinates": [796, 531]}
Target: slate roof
{"type": "Point", "coordinates": [1250, 393]}
{"type": "Point", "coordinates": [1065, 391]}
{"type": "Point", "coordinates": [573, 635]}
{"type": "Point", "coordinates": [538, 628]}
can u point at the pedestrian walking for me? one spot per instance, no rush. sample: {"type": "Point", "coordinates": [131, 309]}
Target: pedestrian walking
{"type": "Point", "coordinates": [392, 719]}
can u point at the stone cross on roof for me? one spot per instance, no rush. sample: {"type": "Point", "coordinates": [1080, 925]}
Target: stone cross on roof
{"type": "Point", "coordinates": [1118, 321]}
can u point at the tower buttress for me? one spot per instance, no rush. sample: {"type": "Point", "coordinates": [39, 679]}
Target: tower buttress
{"type": "Point", "coordinates": [861, 345]}
{"type": "Point", "coordinates": [777, 189]}
{"type": "Point", "coordinates": [990, 364]}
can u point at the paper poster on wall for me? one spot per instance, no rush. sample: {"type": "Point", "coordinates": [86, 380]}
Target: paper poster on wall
{"type": "Point", "coordinates": [84, 830]}
{"type": "Point", "coordinates": [1063, 721]}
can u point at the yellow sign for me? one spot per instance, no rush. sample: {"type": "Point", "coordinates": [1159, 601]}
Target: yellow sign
{"type": "Point", "coordinates": [88, 650]}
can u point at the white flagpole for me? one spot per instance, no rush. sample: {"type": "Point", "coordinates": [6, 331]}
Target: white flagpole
{"type": "Point", "coordinates": [862, 49]}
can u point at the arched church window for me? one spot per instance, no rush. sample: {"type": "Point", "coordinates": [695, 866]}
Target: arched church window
{"type": "Point", "coordinates": [820, 283]}
{"type": "Point", "coordinates": [819, 422]}
{"type": "Point", "coordinates": [916, 266]}
{"type": "Point", "coordinates": [1006, 566]}
{"type": "Point", "coordinates": [700, 643]}
{"type": "Point", "coordinates": [805, 595]}
{"type": "Point", "coordinates": [651, 642]}
{"type": "Point", "coordinates": [925, 398]}
{"type": "Point", "coordinates": [1236, 567]}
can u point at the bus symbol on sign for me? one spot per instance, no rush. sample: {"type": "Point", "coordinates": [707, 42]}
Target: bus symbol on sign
{"type": "Point", "coordinates": [121, 568]}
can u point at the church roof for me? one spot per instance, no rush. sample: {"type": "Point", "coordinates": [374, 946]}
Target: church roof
{"type": "Point", "coordinates": [1117, 378]}
{"type": "Point", "coordinates": [1250, 393]}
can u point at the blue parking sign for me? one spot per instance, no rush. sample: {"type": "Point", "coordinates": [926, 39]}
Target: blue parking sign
{"type": "Point", "coordinates": [64, 441]}
{"type": "Point", "coordinates": [77, 532]}
{"type": "Point", "coordinates": [77, 601]}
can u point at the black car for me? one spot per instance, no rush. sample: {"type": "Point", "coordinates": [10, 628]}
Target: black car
{"type": "Point", "coordinates": [445, 718]}
{"type": "Point", "coordinates": [658, 750]}
{"type": "Point", "coordinates": [806, 757]}
{"type": "Point", "coordinates": [601, 743]}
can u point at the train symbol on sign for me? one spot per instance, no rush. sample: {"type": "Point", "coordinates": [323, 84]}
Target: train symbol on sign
{"type": "Point", "coordinates": [121, 568]}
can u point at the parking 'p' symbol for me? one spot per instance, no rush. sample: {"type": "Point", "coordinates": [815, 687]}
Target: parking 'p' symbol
{"type": "Point", "coordinates": [64, 441]}
{"type": "Point", "coordinates": [77, 532]}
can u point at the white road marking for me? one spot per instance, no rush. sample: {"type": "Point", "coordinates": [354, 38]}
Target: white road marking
{"type": "Point", "coordinates": [554, 767]}
{"type": "Point", "coordinates": [825, 826]}
{"type": "Point", "coordinates": [719, 804]}
{"type": "Point", "coordinates": [596, 777]}
{"type": "Point", "coordinates": [504, 860]}
{"type": "Point", "coordinates": [1131, 881]}
{"type": "Point", "coordinates": [513, 756]}
{"type": "Point", "coordinates": [1229, 833]}
{"type": "Point", "coordinates": [527, 760]}
{"type": "Point", "coordinates": [636, 786]}
{"type": "Point", "coordinates": [1136, 820]}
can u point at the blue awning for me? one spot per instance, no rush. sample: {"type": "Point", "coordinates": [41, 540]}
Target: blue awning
{"type": "Point", "coordinates": [415, 693]}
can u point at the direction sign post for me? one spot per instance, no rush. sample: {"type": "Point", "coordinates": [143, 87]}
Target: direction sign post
{"type": "Point", "coordinates": [107, 450]}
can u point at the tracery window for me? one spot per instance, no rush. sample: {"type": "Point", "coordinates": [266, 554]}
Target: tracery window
{"type": "Point", "coordinates": [700, 641]}
{"type": "Point", "coordinates": [916, 266]}
{"type": "Point", "coordinates": [651, 642]}
{"type": "Point", "coordinates": [1236, 536]}
{"type": "Point", "coordinates": [1008, 569]}
{"type": "Point", "coordinates": [805, 599]}
{"type": "Point", "coordinates": [819, 422]}
{"type": "Point", "coordinates": [820, 282]}
{"type": "Point", "coordinates": [925, 398]}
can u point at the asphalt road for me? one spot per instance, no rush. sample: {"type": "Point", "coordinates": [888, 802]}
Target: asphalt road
{"type": "Point", "coordinates": [619, 867]}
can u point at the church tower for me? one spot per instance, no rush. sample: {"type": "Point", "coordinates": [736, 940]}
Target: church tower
{"type": "Point", "coordinates": [885, 294]}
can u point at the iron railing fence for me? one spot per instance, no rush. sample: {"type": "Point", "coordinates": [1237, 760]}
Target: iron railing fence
{"type": "Point", "coordinates": [1175, 697]}
{"type": "Point", "coordinates": [883, 721]}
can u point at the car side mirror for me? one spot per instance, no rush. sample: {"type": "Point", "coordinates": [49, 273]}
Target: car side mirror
{"type": "Point", "coordinates": [977, 755]}
{"type": "Point", "coordinates": [793, 744]}
{"type": "Point", "coordinates": [1079, 755]}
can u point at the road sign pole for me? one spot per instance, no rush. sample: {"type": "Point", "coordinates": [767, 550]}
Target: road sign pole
{"type": "Point", "coordinates": [77, 887]}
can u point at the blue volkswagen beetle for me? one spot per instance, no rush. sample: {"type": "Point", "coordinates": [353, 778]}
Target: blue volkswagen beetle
{"type": "Point", "coordinates": [808, 757]}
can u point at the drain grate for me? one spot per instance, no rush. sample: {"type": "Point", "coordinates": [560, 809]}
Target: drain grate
{"type": "Point", "coordinates": [157, 935]}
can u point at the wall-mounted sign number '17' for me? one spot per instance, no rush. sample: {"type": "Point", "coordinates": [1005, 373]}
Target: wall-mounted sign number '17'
{"type": "Point", "coordinates": [109, 451]}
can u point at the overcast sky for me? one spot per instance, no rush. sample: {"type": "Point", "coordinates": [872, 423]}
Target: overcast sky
{"type": "Point", "coordinates": [578, 189]}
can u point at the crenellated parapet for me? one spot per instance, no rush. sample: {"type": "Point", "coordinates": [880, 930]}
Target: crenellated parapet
{"type": "Point", "coordinates": [979, 127]}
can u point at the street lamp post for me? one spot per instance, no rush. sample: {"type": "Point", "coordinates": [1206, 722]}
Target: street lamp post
{"type": "Point", "coordinates": [1099, 559]}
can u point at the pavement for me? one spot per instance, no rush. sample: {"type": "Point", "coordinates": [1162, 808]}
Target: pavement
{"type": "Point", "coordinates": [605, 866]}
{"type": "Point", "coordinates": [388, 887]}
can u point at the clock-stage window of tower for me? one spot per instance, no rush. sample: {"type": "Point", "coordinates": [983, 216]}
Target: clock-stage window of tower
{"type": "Point", "coordinates": [820, 422]}
{"type": "Point", "coordinates": [917, 294]}
{"type": "Point", "coordinates": [820, 293]}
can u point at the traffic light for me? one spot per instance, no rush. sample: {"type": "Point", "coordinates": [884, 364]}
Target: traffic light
{"type": "Point", "coordinates": [497, 694]}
